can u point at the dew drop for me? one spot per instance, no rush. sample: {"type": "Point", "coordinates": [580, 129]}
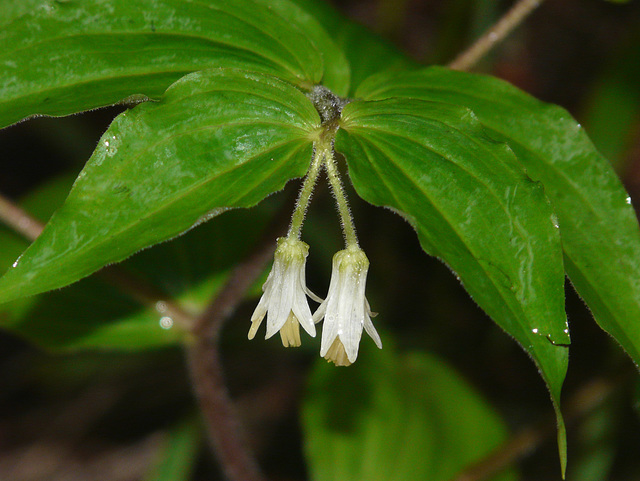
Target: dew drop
{"type": "Point", "coordinates": [628, 200]}
{"type": "Point", "coordinates": [161, 307]}
{"type": "Point", "coordinates": [48, 7]}
{"type": "Point", "coordinates": [534, 330]}
{"type": "Point", "coordinates": [166, 322]}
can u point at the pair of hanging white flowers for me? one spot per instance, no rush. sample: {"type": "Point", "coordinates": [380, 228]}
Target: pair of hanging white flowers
{"type": "Point", "coordinates": [345, 310]}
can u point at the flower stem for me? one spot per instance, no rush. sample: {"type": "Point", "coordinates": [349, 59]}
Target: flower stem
{"type": "Point", "coordinates": [305, 194]}
{"type": "Point", "coordinates": [348, 226]}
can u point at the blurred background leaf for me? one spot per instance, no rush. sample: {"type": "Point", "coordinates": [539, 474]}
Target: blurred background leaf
{"type": "Point", "coordinates": [176, 459]}
{"type": "Point", "coordinates": [402, 416]}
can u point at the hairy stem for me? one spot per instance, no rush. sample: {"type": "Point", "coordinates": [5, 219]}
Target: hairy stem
{"type": "Point", "coordinates": [495, 34]}
{"type": "Point", "coordinates": [348, 226]}
{"type": "Point", "coordinates": [305, 195]}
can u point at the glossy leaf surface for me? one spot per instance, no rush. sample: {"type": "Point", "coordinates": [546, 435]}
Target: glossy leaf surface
{"type": "Point", "coordinates": [599, 229]}
{"type": "Point", "coordinates": [366, 52]}
{"type": "Point", "coordinates": [96, 314]}
{"type": "Point", "coordinates": [395, 417]}
{"type": "Point", "coordinates": [474, 207]}
{"type": "Point", "coordinates": [66, 57]}
{"type": "Point", "coordinates": [219, 139]}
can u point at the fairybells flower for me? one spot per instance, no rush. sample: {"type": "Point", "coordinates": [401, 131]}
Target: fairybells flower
{"type": "Point", "coordinates": [284, 301]}
{"type": "Point", "coordinates": [346, 310]}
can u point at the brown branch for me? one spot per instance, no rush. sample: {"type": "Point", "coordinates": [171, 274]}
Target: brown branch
{"type": "Point", "coordinates": [205, 366]}
{"type": "Point", "coordinates": [495, 34]}
{"type": "Point", "coordinates": [16, 218]}
{"type": "Point", "coordinates": [583, 401]}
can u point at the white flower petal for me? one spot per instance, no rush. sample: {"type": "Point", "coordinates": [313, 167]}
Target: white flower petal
{"type": "Point", "coordinates": [373, 334]}
{"type": "Point", "coordinates": [346, 310]}
{"type": "Point", "coordinates": [284, 300]}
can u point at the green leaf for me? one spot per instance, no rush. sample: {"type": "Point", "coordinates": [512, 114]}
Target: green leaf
{"type": "Point", "coordinates": [474, 207]}
{"type": "Point", "coordinates": [219, 139]}
{"type": "Point", "coordinates": [40, 204]}
{"type": "Point", "coordinates": [9, 10]}
{"type": "Point", "coordinates": [366, 52]}
{"type": "Point", "coordinates": [176, 459]}
{"type": "Point", "coordinates": [395, 417]}
{"type": "Point", "coordinates": [95, 313]}
{"type": "Point", "coordinates": [66, 57]}
{"type": "Point", "coordinates": [599, 228]}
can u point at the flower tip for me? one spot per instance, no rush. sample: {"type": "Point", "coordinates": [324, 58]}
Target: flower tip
{"type": "Point", "coordinates": [290, 332]}
{"type": "Point", "coordinates": [256, 321]}
{"type": "Point", "coordinates": [337, 354]}
{"type": "Point", "coordinates": [253, 329]}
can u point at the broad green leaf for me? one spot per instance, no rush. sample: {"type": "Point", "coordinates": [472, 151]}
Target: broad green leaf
{"type": "Point", "coordinates": [395, 417]}
{"type": "Point", "coordinates": [95, 313]}
{"type": "Point", "coordinates": [366, 52]}
{"type": "Point", "coordinates": [474, 207]}
{"type": "Point", "coordinates": [177, 457]}
{"type": "Point", "coordinates": [40, 204]}
{"type": "Point", "coordinates": [10, 10]}
{"type": "Point", "coordinates": [599, 229]}
{"type": "Point", "coordinates": [66, 57]}
{"type": "Point", "coordinates": [219, 139]}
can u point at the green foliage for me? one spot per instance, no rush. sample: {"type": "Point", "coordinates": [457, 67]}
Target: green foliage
{"type": "Point", "coordinates": [404, 417]}
{"type": "Point", "coordinates": [599, 229]}
{"type": "Point", "coordinates": [477, 210]}
{"type": "Point", "coordinates": [66, 57]}
{"type": "Point", "coordinates": [366, 53]}
{"type": "Point", "coordinates": [164, 167]}
{"type": "Point", "coordinates": [96, 313]}
{"type": "Point", "coordinates": [176, 459]}
{"type": "Point", "coordinates": [506, 190]}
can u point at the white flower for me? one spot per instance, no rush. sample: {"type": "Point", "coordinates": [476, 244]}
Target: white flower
{"type": "Point", "coordinates": [284, 301]}
{"type": "Point", "coordinates": [346, 311]}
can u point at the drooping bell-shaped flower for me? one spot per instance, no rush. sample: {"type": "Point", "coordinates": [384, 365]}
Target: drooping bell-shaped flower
{"type": "Point", "coordinates": [284, 298]}
{"type": "Point", "coordinates": [346, 310]}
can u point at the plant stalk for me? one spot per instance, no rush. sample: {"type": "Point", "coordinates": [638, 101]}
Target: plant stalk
{"type": "Point", "coordinates": [305, 195]}
{"type": "Point", "coordinates": [348, 227]}
{"type": "Point", "coordinates": [495, 34]}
